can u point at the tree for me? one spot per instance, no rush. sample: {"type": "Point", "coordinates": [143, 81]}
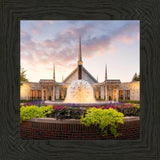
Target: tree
{"type": "Point", "coordinates": [136, 77]}
{"type": "Point", "coordinates": [23, 76]}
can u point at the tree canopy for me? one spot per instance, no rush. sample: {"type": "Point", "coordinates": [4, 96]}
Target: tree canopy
{"type": "Point", "coordinates": [23, 76]}
{"type": "Point", "coordinates": [136, 77]}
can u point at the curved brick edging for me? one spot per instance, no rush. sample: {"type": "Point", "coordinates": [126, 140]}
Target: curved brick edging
{"type": "Point", "coordinates": [50, 128]}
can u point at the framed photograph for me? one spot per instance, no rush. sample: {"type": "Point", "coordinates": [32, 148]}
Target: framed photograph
{"type": "Point", "coordinates": [81, 106]}
{"type": "Point", "coordinates": [71, 63]}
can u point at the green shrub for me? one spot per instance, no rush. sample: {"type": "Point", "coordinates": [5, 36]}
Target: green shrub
{"type": "Point", "coordinates": [28, 112]}
{"type": "Point", "coordinates": [131, 111]}
{"type": "Point", "coordinates": [103, 118]}
{"type": "Point", "coordinates": [66, 113]}
{"type": "Point", "coordinates": [129, 101]}
{"type": "Point", "coordinates": [23, 100]}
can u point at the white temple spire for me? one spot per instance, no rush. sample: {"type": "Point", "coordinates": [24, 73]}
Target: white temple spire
{"type": "Point", "coordinates": [105, 72]}
{"type": "Point", "coordinates": [54, 72]}
{"type": "Point", "coordinates": [80, 53]}
{"type": "Point", "coordinates": [80, 63]}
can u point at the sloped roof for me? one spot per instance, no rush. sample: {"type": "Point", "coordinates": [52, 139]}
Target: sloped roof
{"type": "Point", "coordinates": [90, 75]}
{"type": "Point", "coordinates": [76, 69]}
{"type": "Point", "coordinates": [70, 74]}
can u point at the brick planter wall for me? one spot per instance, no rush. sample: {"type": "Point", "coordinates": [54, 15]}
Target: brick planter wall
{"type": "Point", "coordinates": [50, 128]}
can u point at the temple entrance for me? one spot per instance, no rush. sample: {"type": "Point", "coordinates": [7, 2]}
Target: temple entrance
{"type": "Point", "coordinates": [114, 95]}
{"type": "Point", "coordinates": [44, 94]}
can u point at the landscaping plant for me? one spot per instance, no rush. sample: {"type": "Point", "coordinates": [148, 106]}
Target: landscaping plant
{"type": "Point", "coordinates": [126, 109]}
{"type": "Point", "coordinates": [28, 112]}
{"type": "Point", "coordinates": [103, 118]}
{"type": "Point", "coordinates": [66, 112]}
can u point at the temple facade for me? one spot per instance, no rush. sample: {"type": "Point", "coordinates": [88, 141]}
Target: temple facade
{"type": "Point", "coordinates": [109, 90]}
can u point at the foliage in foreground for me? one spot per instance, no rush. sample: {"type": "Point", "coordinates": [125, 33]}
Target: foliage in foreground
{"type": "Point", "coordinates": [38, 110]}
{"type": "Point", "coordinates": [103, 118]}
{"type": "Point", "coordinates": [66, 112]}
{"type": "Point", "coordinates": [28, 112]}
{"type": "Point", "coordinates": [129, 101]}
{"type": "Point", "coordinates": [127, 110]}
{"type": "Point", "coordinates": [32, 103]}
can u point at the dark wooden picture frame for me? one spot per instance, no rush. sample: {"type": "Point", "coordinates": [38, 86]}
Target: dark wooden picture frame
{"type": "Point", "coordinates": [12, 146]}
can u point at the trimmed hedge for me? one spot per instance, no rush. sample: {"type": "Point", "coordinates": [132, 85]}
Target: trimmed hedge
{"type": "Point", "coordinates": [129, 101]}
{"type": "Point", "coordinates": [23, 100]}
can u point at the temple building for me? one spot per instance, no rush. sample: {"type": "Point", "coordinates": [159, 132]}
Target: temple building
{"type": "Point", "coordinates": [109, 90]}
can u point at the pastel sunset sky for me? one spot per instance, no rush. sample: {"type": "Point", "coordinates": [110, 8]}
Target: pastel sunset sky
{"type": "Point", "coordinates": [115, 43]}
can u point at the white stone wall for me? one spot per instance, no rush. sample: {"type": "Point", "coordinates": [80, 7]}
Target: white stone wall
{"type": "Point", "coordinates": [25, 91]}
{"type": "Point", "coordinates": [57, 92]}
{"type": "Point", "coordinates": [26, 87]}
{"type": "Point", "coordinates": [135, 91]}
{"type": "Point", "coordinates": [102, 92]}
{"type": "Point", "coordinates": [134, 88]}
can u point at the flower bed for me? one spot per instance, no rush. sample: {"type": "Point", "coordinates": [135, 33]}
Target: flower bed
{"type": "Point", "coordinates": [126, 109]}
{"type": "Point", "coordinates": [105, 118]}
{"type": "Point", "coordinates": [30, 103]}
{"type": "Point", "coordinates": [64, 112]}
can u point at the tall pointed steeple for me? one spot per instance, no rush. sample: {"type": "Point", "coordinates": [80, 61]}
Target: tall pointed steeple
{"type": "Point", "coordinates": [54, 72]}
{"type": "Point", "coordinates": [105, 72]}
{"type": "Point", "coordinates": [80, 53]}
{"type": "Point", "coordinates": [80, 63]}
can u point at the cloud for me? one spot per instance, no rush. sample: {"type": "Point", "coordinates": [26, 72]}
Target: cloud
{"type": "Point", "coordinates": [44, 22]}
{"type": "Point", "coordinates": [127, 39]}
{"type": "Point", "coordinates": [36, 31]}
{"type": "Point", "coordinates": [63, 48]}
{"type": "Point", "coordinates": [80, 30]}
{"type": "Point", "coordinates": [25, 37]}
{"type": "Point", "coordinates": [138, 36]}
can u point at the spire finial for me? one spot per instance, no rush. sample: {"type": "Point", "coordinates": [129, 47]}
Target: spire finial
{"type": "Point", "coordinates": [105, 72]}
{"type": "Point", "coordinates": [97, 77]}
{"type": "Point", "coordinates": [54, 72]}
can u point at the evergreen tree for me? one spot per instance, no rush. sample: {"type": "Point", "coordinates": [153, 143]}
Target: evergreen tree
{"type": "Point", "coordinates": [136, 77]}
{"type": "Point", "coordinates": [23, 76]}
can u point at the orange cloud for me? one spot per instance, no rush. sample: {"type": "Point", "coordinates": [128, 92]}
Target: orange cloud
{"type": "Point", "coordinates": [127, 39]}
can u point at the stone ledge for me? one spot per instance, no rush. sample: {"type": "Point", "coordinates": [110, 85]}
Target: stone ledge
{"type": "Point", "coordinates": [79, 104]}
{"type": "Point", "coordinates": [74, 121]}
